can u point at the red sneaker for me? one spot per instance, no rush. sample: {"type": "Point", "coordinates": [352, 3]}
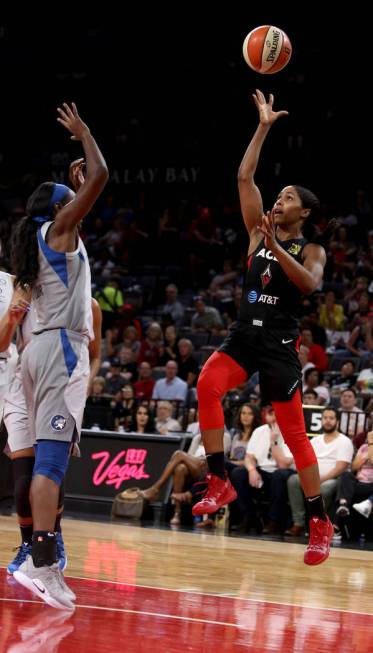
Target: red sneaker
{"type": "Point", "coordinates": [321, 534]}
{"type": "Point", "coordinates": [219, 493]}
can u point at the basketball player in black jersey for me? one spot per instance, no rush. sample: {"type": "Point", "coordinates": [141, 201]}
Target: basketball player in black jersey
{"type": "Point", "coordinates": [281, 267]}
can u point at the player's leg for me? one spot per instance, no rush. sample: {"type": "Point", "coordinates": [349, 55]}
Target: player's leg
{"type": "Point", "coordinates": [45, 378]}
{"type": "Point", "coordinates": [290, 418]}
{"type": "Point", "coordinates": [219, 374]}
{"type": "Point", "coordinates": [280, 382]}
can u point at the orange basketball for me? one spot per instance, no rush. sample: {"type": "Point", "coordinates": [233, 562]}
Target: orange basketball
{"type": "Point", "coordinates": [267, 49]}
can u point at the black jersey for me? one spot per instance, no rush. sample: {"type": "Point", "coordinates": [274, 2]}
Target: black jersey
{"type": "Point", "coordinates": [269, 298]}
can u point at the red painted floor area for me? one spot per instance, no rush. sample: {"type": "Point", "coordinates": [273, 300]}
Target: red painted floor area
{"type": "Point", "coordinates": [114, 617]}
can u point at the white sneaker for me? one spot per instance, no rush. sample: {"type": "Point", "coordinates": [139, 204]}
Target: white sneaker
{"type": "Point", "coordinates": [65, 587]}
{"type": "Point", "coordinates": [364, 507]}
{"type": "Point", "coordinates": [45, 583]}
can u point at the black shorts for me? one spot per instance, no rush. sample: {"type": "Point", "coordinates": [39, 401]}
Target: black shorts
{"type": "Point", "coordinates": [272, 353]}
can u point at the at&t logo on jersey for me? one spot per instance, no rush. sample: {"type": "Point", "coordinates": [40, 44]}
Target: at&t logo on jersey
{"type": "Point", "coordinates": [252, 297]}
{"type": "Point", "coordinates": [58, 422]}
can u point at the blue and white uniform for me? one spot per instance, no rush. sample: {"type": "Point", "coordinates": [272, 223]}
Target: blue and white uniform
{"type": "Point", "coordinates": [15, 408]}
{"type": "Point", "coordinates": [55, 363]}
{"type": "Point", "coordinates": [8, 357]}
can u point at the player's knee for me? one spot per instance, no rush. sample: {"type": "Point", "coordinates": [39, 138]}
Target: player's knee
{"type": "Point", "coordinates": [208, 388]}
{"type": "Point", "coordinates": [51, 460]}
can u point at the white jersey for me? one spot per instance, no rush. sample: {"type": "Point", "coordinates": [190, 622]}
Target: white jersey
{"type": "Point", "coordinates": [62, 293]}
{"type": "Point", "coordinates": [24, 331]}
{"type": "Point", "coordinates": [8, 358]}
{"type": "Point", "coordinates": [6, 294]}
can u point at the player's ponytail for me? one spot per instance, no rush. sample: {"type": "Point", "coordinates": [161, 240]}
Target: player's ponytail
{"type": "Point", "coordinates": [24, 247]}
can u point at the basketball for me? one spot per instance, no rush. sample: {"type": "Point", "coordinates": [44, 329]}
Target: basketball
{"type": "Point", "coordinates": [267, 49]}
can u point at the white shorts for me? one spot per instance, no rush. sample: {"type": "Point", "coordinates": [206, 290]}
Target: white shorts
{"type": "Point", "coordinates": [15, 415]}
{"type": "Point", "coordinates": [7, 371]}
{"type": "Point", "coordinates": [55, 373]}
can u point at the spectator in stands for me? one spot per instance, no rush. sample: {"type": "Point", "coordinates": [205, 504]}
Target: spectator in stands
{"type": "Point", "coordinates": [222, 285]}
{"type": "Point", "coordinates": [311, 398]}
{"type": "Point", "coordinates": [317, 354]}
{"type": "Point", "coordinates": [352, 297]}
{"type": "Point", "coordinates": [186, 468]}
{"type": "Point", "coordinates": [110, 299]}
{"type": "Point", "coordinates": [334, 453]}
{"type": "Point", "coordinates": [152, 347]}
{"type": "Point", "coordinates": [352, 418]}
{"type": "Point", "coordinates": [114, 380]}
{"type": "Point", "coordinates": [131, 340]}
{"type": "Point", "coordinates": [266, 469]}
{"type": "Point", "coordinates": [124, 408]}
{"type": "Point", "coordinates": [311, 321]}
{"type": "Point", "coordinates": [171, 387]}
{"type": "Point", "coordinates": [345, 380]}
{"type": "Point", "coordinates": [355, 485]}
{"type": "Point", "coordinates": [247, 420]}
{"type": "Point", "coordinates": [142, 420]}
{"type": "Point", "coordinates": [114, 335]}
{"type": "Point", "coordinates": [97, 410]}
{"type": "Point", "coordinates": [365, 380]}
{"type": "Point", "coordinates": [164, 423]}
{"type": "Point", "coordinates": [144, 386]}
{"type": "Point", "coordinates": [206, 318]}
{"type": "Point", "coordinates": [97, 392]}
{"type": "Point", "coordinates": [173, 307]}
{"type": "Point", "coordinates": [331, 315]}
{"type": "Point", "coordinates": [303, 359]}
{"type": "Point", "coordinates": [170, 345]}
{"type": "Point", "coordinates": [187, 364]}
{"type": "Point", "coordinates": [128, 366]}
{"type": "Point", "coordinates": [313, 379]}
{"type": "Point", "coordinates": [360, 342]}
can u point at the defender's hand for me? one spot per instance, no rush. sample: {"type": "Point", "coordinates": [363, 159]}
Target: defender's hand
{"type": "Point", "coordinates": [70, 119]}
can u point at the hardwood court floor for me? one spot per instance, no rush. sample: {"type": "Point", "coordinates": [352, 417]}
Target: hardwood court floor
{"type": "Point", "coordinates": [156, 590]}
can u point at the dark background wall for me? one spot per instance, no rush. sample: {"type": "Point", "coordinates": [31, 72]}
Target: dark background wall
{"type": "Point", "coordinates": [168, 87]}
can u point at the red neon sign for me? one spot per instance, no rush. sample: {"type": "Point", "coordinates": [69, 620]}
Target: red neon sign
{"type": "Point", "coordinates": [114, 473]}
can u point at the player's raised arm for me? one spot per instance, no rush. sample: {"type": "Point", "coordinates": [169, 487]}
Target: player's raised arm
{"type": "Point", "coordinates": [96, 173]}
{"type": "Point", "coordinates": [250, 197]}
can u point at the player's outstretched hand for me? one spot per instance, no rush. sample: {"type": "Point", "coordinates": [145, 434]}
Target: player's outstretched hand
{"type": "Point", "coordinates": [70, 119]}
{"type": "Point", "coordinates": [266, 114]}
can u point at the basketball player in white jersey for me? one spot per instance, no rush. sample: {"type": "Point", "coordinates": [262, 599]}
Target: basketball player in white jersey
{"type": "Point", "coordinates": [49, 258]}
{"type": "Point", "coordinates": [6, 370]}
{"type": "Point", "coordinates": [20, 444]}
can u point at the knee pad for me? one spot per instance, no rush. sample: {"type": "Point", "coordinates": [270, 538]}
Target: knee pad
{"type": "Point", "coordinates": [51, 459]}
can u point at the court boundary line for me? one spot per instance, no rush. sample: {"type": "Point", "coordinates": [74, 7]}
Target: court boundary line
{"type": "Point", "coordinates": [146, 613]}
{"type": "Point", "coordinates": [217, 596]}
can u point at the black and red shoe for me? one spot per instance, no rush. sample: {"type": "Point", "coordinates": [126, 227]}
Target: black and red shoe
{"type": "Point", "coordinates": [321, 535]}
{"type": "Point", "coordinates": [219, 493]}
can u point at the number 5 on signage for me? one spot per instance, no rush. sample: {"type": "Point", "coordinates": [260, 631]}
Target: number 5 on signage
{"type": "Point", "coordinates": [316, 420]}
{"type": "Point", "coordinates": [313, 420]}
